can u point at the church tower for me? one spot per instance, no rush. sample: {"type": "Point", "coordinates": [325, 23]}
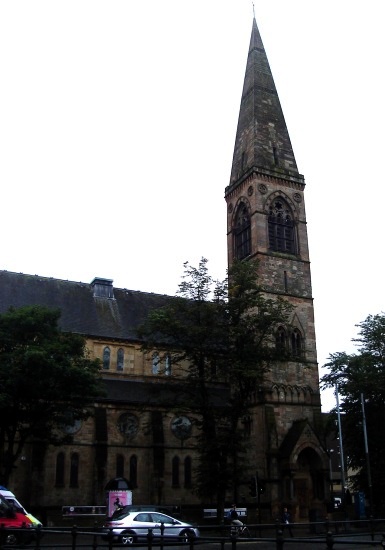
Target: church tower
{"type": "Point", "coordinates": [266, 221]}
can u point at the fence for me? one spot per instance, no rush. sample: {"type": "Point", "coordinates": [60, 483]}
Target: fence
{"type": "Point", "coordinates": [310, 536]}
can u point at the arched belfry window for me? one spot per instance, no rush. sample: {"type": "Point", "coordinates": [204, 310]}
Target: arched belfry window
{"type": "Point", "coordinates": [242, 232]}
{"type": "Point", "coordinates": [281, 227]}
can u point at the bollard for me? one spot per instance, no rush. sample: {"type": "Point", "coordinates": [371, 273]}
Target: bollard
{"type": "Point", "coordinates": [95, 538]}
{"type": "Point", "coordinates": [371, 523]}
{"type": "Point", "coordinates": [329, 539]}
{"type": "Point", "coordinates": [162, 533]}
{"type": "Point", "coordinates": [74, 533]}
{"type": "Point", "coordinates": [280, 540]}
{"type": "Point", "coordinates": [38, 536]}
{"type": "Point", "coordinates": [191, 539]}
{"type": "Point", "coordinates": [110, 539]}
{"type": "Point", "coordinates": [150, 538]}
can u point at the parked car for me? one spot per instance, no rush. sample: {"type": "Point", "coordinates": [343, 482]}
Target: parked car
{"type": "Point", "coordinates": [17, 506]}
{"type": "Point", "coordinates": [16, 527]}
{"type": "Point", "coordinates": [168, 510]}
{"type": "Point", "coordinates": [130, 526]}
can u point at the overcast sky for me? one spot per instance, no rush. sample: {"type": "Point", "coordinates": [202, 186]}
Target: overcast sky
{"type": "Point", "coordinates": [117, 127]}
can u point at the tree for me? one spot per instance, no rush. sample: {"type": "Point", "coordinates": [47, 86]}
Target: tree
{"type": "Point", "coordinates": [363, 374]}
{"type": "Point", "coordinates": [46, 381]}
{"type": "Point", "coordinates": [221, 338]}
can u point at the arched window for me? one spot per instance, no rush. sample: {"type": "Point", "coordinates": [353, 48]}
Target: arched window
{"type": "Point", "coordinates": [281, 227]}
{"type": "Point", "coordinates": [175, 471]}
{"type": "Point", "coordinates": [134, 470]}
{"type": "Point", "coordinates": [120, 359]}
{"type": "Point", "coordinates": [106, 358]}
{"type": "Point", "coordinates": [119, 465]}
{"type": "Point", "coordinates": [242, 233]}
{"type": "Point", "coordinates": [155, 363]}
{"type": "Point", "coordinates": [187, 472]}
{"type": "Point", "coordinates": [59, 478]}
{"type": "Point", "coordinates": [74, 471]}
{"type": "Point", "coordinates": [167, 370]}
{"type": "Point", "coordinates": [280, 339]}
{"type": "Point", "coordinates": [296, 343]}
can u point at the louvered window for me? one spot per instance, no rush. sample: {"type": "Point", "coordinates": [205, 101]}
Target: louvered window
{"type": "Point", "coordinates": [281, 228]}
{"type": "Point", "coordinates": [242, 233]}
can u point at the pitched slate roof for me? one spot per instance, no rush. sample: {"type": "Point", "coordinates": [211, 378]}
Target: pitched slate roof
{"type": "Point", "coordinates": [82, 311]}
{"type": "Point", "coordinates": [167, 394]}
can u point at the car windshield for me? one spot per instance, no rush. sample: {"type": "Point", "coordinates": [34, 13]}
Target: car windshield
{"type": "Point", "coordinates": [120, 514]}
{"type": "Point", "coordinates": [5, 509]}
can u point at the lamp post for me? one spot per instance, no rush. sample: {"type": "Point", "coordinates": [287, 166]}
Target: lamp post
{"type": "Point", "coordinates": [367, 456]}
{"type": "Point", "coordinates": [330, 451]}
{"type": "Point", "coordinates": [341, 448]}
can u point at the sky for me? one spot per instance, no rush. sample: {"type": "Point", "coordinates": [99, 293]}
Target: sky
{"type": "Point", "coordinates": [117, 128]}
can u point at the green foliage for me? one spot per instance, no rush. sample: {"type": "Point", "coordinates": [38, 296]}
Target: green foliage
{"type": "Point", "coordinates": [363, 373]}
{"type": "Point", "coordinates": [45, 378]}
{"type": "Point", "coordinates": [221, 337]}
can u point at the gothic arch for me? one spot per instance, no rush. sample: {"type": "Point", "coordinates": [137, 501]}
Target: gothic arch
{"type": "Point", "coordinates": [279, 194]}
{"type": "Point", "coordinates": [296, 322]}
{"type": "Point", "coordinates": [241, 229]}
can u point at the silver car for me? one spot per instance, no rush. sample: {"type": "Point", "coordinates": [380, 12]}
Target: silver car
{"type": "Point", "coordinates": [128, 527]}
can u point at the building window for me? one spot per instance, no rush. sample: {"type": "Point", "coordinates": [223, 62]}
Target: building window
{"type": "Point", "coordinates": [167, 370]}
{"type": "Point", "coordinates": [242, 233]}
{"type": "Point", "coordinates": [280, 339]}
{"type": "Point", "coordinates": [119, 466]}
{"type": "Point", "coordinates": [59, 478]}
{"type": "Point", "coordinates": [106, 358]}
{"type": "Point", "coordinates": [187, 472]}
{"type": "Point", "coordinates": [281, 227]}
{"type": "Point", "coordinates": [74, 470]}
{"type": "Point", "coordinates": [296, 343]}
{"type": "Point", "coordinates": [120, 359]}
{"type": "Point", "coordinates": [155, 363]}
{"type": "Point", "coordinates": [175, 471]}
{"type": "Point", "coordinates": [134, 471]}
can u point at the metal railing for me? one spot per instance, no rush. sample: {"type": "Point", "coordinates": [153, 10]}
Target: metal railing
{"type": "Point", "coordinates": [329, 534]}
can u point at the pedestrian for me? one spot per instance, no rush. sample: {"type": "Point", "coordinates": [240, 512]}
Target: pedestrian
{"type": "Point", "coordinates": [286, 520]}
{"type": "Point", "coordinates": [234, 516]}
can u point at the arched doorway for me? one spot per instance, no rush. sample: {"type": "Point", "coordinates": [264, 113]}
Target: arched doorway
{"type": "Point", "coordinates": [308, 483]}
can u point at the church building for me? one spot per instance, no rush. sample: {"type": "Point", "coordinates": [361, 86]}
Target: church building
{"type": "Point", "coordinates": [135, 433]}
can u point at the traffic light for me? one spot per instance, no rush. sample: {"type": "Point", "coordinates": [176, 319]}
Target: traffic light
{"type": "Point", "coordinates": [253, 487]}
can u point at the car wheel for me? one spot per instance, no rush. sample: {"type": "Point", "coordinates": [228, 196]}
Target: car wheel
{"type": "Point", "coordinates": [11, 539]}
{"type": "Point", "coordinates": [186, 536]}
{"type": "Point", "coordinates": [127, 538]}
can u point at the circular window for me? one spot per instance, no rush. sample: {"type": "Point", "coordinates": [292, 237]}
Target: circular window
{"type": "Point", "coordinates": [181, 427]}
{"type": "Point", "coordinates": [70, 425]}
{"type": "Point", "coordinates": [128, 425]}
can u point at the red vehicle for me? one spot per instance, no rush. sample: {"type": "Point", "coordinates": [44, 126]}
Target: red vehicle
{"type": "Point", "coordinates": [15, 527]}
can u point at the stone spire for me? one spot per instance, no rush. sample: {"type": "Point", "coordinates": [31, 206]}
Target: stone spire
{"type": "Point", "coordinates": [262, 143]}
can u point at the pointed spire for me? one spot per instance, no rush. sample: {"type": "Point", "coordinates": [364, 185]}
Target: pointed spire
{"type": "Point", "coordinates": [262, 142]}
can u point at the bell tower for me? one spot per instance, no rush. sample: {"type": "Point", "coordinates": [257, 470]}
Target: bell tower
{"type": "Point", "coordinates": [266, 221]}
